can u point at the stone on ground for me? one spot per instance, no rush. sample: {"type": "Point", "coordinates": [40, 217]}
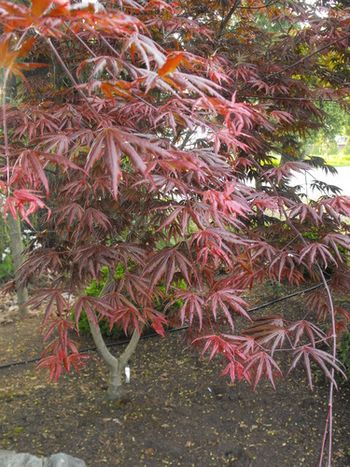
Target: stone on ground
{"type": "Point", "coordinates": [13, 459]}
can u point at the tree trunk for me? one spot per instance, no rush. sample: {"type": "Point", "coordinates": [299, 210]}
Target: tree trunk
{"type": "Point", "coordinates": [115, 390]}
{"type": "Point", "coordinates": [17, 247]}
{"type": "Point", "coordinates": [116, 365]}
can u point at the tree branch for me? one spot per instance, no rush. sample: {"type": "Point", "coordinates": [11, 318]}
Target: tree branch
{"type": "Point", "coordinates": [307, 57]}
{"type": "Point", "coordinates": [72, 79]}
{"type": "Point", "coordinates": [130, 348]}
{"type": "Point", "coordinates": [227, 18]}
{"type": "Point", "coordinates": [110, 360]}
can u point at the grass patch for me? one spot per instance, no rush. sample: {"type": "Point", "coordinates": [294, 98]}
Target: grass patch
{"type": "Point", "coordinates": [338, 160]}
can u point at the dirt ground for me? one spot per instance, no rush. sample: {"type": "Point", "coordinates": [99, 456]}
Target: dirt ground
{"type": "Point", "coordinates": [179, 411]}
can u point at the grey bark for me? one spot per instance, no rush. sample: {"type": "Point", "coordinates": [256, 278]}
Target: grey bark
{"type": "Point", "coordinates": [17, 247]}
{"type": "Point", "coordinates": [116, 365]}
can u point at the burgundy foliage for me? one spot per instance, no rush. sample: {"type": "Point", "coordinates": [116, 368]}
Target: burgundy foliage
{"type": "Point", "coordinates": [136, 153]}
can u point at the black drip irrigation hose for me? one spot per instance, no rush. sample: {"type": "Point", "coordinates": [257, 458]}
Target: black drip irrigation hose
{"type": "Point", "coordinates": [285, 297]}
{"type": "Point", "coordinates": [170, 331]}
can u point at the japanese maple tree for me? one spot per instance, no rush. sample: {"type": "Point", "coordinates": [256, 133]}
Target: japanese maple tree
{"type": "Point", "coordinates": [134, 153]}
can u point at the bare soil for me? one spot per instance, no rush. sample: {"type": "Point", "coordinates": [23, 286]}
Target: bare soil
{"type": "Point", "coordinates": [179, 411]}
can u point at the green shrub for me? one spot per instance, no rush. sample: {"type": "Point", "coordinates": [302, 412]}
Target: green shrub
{"type": "Point", "coordinates": [312, 234]}
{"type": "Point", "coordinates": [84, 328]}
{"type": "Point", "coordinates": [6, 268]}
{"type": "Point", "coordinates": [344, 353]}
{"type": "Point", "coordinates": [94, 289]}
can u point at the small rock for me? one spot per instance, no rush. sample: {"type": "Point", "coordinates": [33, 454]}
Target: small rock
{"type": "Point", "coordinates": [150, 452]}
{"type": "Point", "coordinates": [12, 459]}
{"type": "Point", "coordinates": [63, 460]}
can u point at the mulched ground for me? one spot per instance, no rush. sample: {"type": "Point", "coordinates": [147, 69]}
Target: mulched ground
{"type": "Point", "coordinates": [179, 411]}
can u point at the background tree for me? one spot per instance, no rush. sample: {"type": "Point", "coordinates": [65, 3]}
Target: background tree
{"type": "Point", "coordinates": [12, 245]}
{"type": "Point", "coordinates": [17, 248]}
{"type": "Point", "coordinates": [137, 160]}
{"type": "Point", "coordinates": [6, 267]}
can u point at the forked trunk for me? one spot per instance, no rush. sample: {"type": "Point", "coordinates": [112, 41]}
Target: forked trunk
{"type": "Point", "coordinates": [116, 365]}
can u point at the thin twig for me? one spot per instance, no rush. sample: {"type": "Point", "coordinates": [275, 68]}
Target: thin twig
{"type": "Point", "coordinates": [307, 57]}
{"type": "Point", "coordinates": [227, 18]}
{"type": "Point", "coordinates": [72, 79]}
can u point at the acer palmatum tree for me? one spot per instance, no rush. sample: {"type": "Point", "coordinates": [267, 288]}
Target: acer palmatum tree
{"type": "Point", "coordinates": [130, 150]}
